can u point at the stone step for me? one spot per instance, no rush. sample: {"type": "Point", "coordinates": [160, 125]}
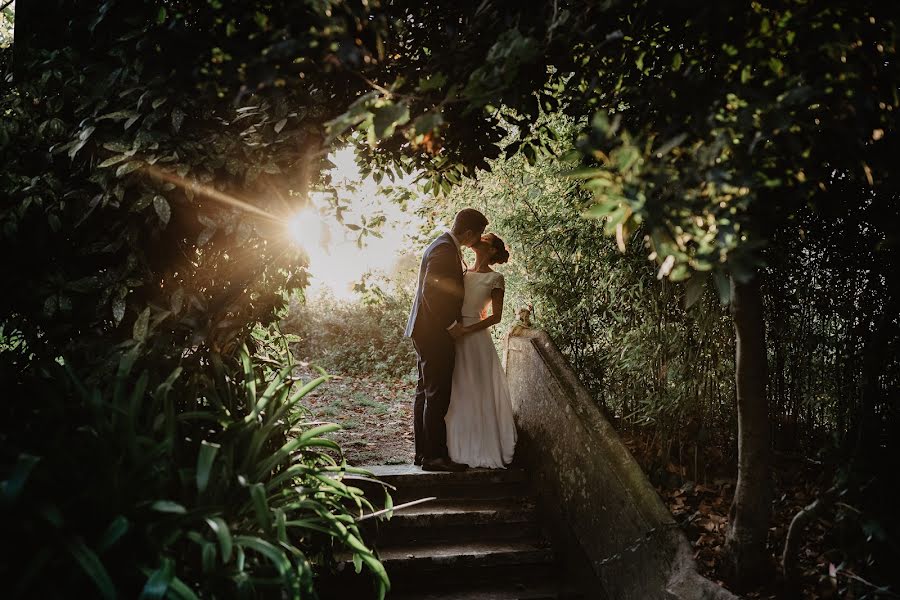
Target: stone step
{"type": "Point", "coordinates": [475, 560]}
{"type": "Point", "coordinates": [524, 586]}
{"type": "Point", "coordinates": [532, 590]}
{"type": "Point", "coordinates": [479, 538]}
{"type": "Point", "coordinates": [411, 482]}
{"type": "Point", "coordinates": [446, 567]}
{"type": "Point", "coordinates": [456, 519]}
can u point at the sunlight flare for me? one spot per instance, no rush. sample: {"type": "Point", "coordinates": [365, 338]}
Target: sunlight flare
{"type": "Point", "coordinates": [308, 230]}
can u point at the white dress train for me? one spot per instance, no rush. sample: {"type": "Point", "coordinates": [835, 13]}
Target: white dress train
{"type": "Point", "coordinates": [480, 427]}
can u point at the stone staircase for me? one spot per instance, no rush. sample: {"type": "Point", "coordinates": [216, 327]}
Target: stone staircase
{"type": "Point", "coordinates": [479, 539]}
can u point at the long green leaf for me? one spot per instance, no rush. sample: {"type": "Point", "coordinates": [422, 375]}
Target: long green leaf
{"type": "Point", "coordinates": [280, 527]}
{"type": "Point", "coordinates": [13, 486]}
{"type": "Point", "coordinates": [293, 471]}
{"type": "Point", "coordinates": [240, 559]}
{"type": "Point", "coordinates": [126, 362]}
{"type": "Point", "coordinates": [378, 570]}
{"type": "Point", "coordinates": [307, 438]}
{"type": "Point", "coordinates": [90, 563]}
{"type": "Point", "coordinates": [220, 528]}
{"type": "Point", "coordinates": [205, 459]}
{"type": "Point", "coordinates": [208, 557]}
{"type": "Point", "coordinates": [180, 591]}
{"type": "Point", "coordinates": [311, 525]}
{"type": "Point", "coordinates": [168, 506]}
{"type": "Point", "coordinates": [274, 386]}
{"type": "Point", "coordinates": [158, 583]}
{"type": "Point", "coordinates": [249, 375]}
{"type": "Point", "coordinates": [261, 506]}
{"type": "Point", "coordinates": [116, 529]}
{"type": "Point", "coordinates": [276, 556]}
{"type": "Point", "coordinates": [319, 430]}
{"type": "Point", "coordinates": [298, 396]}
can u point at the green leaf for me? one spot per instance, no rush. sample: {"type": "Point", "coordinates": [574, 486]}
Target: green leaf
{"type": "Point", "coordinates": [276, 556]}
{"type": "Point", "coordinates": [161, 15]}
{"type": "Point", "coordinates": [90, 563]}
{"type": "Point", "coordinates": [723, 286]}
{"type": "Point", "coordinates": [434, 81]}
{"type": "Point", "coordinates": [119, 115]}
{"type": "Point", "coordinates": [694, 289]}
{"type": "Point", "coordinates": [776, 65]}
{"type": "Point", "coordinates": [276, 384]}
{"type": "Point", "coordinates": [378, 570]}
{"type": "Point", "coordinates": [13, 486]}
{"type": "Point", "coordinates": [428, 122]}
{"type": "Point", "coordinates": [220, 528]}
{"type": "Point", "coordinates": [128, 167]}
{"type": "Point", "coordinates": [113, 160]}
{"type": "Point", "coordinates": [116, 529]}
{"type": "Point", "coordinates": [208, 557]}
{"type": "Point", "coordinates": [167, 506]}
{"type": "Point", "coordinates": [118, 309]}
{"type": "Point", "coordinates": [177, 119]}
{"type": "Point", "coordinates": [317, 431]}
{"type": "Point", "coordinates": [76, 147]}
{"type": "Point", "coordinates": [676, 61]}
{"type": "Point", "coordinates": [163, 211]}
{"type": "Point", "coordinates": [179, 590]}
{"type": "Point", "coordinates": [670, 145]}
{"type": "Point", "coordinates": [261, 506]}
{"type": "Point", "coordinates": [158, 583]}
{"type": "Point", "coordinates": [249, 375]}
{"type": "Point", "coordinates": [386, 119]}
{"type": "Point", "coordinates": [141, 325]}
{"type": "Point", "coordinates": [205, 459]}
{"type": "Point", "coordinates": [177, 300]}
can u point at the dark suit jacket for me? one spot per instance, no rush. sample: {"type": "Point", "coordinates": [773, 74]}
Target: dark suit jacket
{"type": "Point", "coordinates": [439, 295]}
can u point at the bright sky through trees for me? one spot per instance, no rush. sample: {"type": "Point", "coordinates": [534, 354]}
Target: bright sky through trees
{"type": "Point", "coordinates": [336, 259]}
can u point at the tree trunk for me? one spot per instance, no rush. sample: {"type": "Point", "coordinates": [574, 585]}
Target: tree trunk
{"type": "Point", "coordinates": [748, 521]}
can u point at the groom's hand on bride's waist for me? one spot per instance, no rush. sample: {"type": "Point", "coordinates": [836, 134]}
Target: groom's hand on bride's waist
{"type": "Point", "coordinates": [457, 331]}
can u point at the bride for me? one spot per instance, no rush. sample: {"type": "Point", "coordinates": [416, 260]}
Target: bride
{"type": "Point", "coordinates": [480, 427]}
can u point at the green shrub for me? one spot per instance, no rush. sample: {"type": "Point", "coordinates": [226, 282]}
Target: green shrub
{"type": "Point", "coordinates": [363, 337]}
{"type": "Point", "coordinates": [181, 484]}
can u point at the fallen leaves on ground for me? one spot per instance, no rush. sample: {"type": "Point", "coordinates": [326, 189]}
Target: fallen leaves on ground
{"type": "Point", "coordinates": [701, 508]}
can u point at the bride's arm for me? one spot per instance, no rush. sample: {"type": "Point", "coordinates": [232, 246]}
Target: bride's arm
{"type": "Point", "coordinates": [496, 313]}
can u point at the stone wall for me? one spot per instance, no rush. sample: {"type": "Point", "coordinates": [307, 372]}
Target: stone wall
{"type": "Point", "coordinates": [594, 494]}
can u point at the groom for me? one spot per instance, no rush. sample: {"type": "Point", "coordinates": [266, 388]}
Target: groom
{"type": "Point", "coordinates": [434, 324]}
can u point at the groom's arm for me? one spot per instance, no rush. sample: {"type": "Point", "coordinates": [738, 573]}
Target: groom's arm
{"type": "Point", "coordinates": [440, 290]}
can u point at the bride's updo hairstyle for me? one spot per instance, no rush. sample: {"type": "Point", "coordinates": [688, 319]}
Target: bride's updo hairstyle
{"type": "Point", "coordinates": [502, 254]}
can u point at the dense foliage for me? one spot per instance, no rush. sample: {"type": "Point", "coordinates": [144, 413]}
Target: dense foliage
{"type": "Point", "coordinates": [142, 223]}
{"type": "Point", "coordinates": [192, 484]}
{"type": "Point", "coordinates": [659, 356]}
{"type": "Point", "coordinates": [152, 152]}
{"type": "Point", "coordinates": [362, 336]}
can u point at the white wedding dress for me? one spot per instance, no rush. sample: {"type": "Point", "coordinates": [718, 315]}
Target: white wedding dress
{"type": "Point", "coordinates": [480, 427]}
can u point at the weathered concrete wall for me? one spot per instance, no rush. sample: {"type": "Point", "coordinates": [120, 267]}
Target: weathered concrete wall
{"type": "Point", "coordinates": [591, 486]}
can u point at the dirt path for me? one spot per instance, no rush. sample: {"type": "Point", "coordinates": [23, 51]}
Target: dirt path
{"type": "Point", "coordinates": [375, 416]}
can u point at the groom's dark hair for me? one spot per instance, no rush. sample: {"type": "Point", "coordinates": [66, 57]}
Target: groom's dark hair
{"type": "Point", "coordinates": [469, 219]}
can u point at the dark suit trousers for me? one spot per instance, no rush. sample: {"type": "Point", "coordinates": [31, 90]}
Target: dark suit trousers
{"type": "Point", "coordinates": [436, 355]}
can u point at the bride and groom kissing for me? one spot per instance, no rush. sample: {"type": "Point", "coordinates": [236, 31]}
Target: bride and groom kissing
{"type": "Point", "coordinates": [462, 413]}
